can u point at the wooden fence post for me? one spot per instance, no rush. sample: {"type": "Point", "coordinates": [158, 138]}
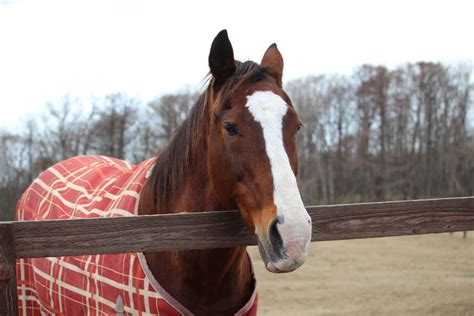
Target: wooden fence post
{"type": "Point", "coordinates": [8, 294]}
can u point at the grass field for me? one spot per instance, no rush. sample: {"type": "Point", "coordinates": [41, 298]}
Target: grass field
{"type": "Point", "coordinates": [419, 275]}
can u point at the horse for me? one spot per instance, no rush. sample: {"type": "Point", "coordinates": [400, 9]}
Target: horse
{"type": "Point", "coordinates": [235, 150]}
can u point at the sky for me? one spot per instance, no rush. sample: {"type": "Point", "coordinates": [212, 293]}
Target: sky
{"type": "Point", "coordinates": [147, 48]}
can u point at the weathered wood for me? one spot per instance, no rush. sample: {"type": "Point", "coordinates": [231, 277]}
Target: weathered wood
{"type": "Point", "coordinates": [126, 234]}
{"type": "Point", "coordinates": [226, 229]}
{"type": "Point", "coordinates": [8, 294]}
{"type": "Point", "coordinates": [399, 218]}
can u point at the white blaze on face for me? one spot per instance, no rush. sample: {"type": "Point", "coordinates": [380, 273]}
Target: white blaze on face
{"type": "Point", "coordinates": [268, 109]}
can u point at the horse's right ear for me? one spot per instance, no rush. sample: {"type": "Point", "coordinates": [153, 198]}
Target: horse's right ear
{"type": "Point", "coordinates": [221, 58]}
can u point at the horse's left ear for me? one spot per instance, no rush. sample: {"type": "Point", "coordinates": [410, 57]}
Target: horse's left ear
{"type": "Point", "coordinates": [221, 58]}
{"type": "Point", "coordinates": [273, 62]}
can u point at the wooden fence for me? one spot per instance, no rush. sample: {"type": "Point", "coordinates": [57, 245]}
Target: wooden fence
{"type": "Point", "coordinates": [212, 230]}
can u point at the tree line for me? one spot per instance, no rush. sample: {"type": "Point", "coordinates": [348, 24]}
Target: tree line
{"type": "Point", "coordinates": [377, 134]}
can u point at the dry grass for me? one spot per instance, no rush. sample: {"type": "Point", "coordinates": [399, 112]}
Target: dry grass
{"type": "Point", "coordinates": [420, 275]}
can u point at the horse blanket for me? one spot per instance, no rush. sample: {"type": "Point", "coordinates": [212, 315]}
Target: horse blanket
{"type": "Point", "coordinates": [118, 284]}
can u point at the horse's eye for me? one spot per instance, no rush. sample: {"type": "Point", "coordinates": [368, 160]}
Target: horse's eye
{"type": "Point", "coordinates": [299, 127]}
{"type": "Point", "coordinates": [231, 129]}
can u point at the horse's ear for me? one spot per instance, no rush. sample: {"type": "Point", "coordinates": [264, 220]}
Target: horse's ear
{"type": "Point", "coordinates": [273, 62]}
{"type": "Point", "coordinates": [221, 58]}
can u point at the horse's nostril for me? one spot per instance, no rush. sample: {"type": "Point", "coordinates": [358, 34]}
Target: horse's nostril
{"type": "Point", "coordinates": [275, 237]}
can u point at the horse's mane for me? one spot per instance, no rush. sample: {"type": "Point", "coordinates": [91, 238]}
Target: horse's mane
{"type": "Point", "coordinates": [175, 160]}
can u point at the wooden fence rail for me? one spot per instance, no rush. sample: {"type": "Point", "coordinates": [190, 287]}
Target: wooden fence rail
{"type": "Point", "coordinates": [56, 238]}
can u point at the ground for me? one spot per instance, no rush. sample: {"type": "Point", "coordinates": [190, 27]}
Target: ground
{"type": "Point", "coordinates": [416, 275]}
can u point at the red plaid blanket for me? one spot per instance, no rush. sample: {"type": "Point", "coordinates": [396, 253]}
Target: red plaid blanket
{"type": "Point", "coordinates": [119, 284]}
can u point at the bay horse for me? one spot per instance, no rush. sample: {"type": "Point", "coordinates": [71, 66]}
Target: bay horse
{"type": "Point", "coordinates": [235, 150]}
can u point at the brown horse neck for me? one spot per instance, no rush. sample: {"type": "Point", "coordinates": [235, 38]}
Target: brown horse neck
{"type": "Point", "coordinates": [210, 281]}
{"type": "Point", "coordinates": [206, 282]}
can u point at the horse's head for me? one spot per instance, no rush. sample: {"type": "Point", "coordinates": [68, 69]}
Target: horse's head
{"type": "Point", "coordinates": [252, 152]}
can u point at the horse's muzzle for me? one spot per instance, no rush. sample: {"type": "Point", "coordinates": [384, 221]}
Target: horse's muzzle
{"type": "Point", "coordinates": [284, 246]}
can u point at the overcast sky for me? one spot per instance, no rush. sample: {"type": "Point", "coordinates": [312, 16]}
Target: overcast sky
{"type": "Point", "coordinates": [147, 48]}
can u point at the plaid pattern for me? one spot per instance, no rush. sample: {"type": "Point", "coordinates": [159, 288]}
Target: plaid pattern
{"type": "Point", "coordinates": [118, 284]}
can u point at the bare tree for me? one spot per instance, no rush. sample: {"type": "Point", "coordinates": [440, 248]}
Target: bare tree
{"type": "Point", "coordinates": [113, 125]}
{"type": "Point", "coordinates": [66, 129]}
{"type": "Point", "coordinates": [171, 110]}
